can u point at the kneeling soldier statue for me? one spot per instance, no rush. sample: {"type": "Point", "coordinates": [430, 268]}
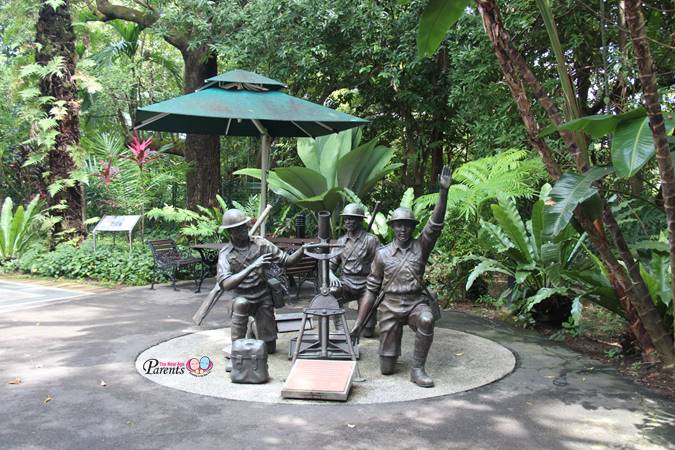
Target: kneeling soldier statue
{"type": "Point", "coordinates": [354, 261]}
{"type": "Point", "coordinates": [396, 283]}
{"type": "Point", "coordinates": [240, 269]}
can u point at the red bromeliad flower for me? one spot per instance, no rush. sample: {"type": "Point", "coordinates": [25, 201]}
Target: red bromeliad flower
{"type": "Point", "coordinates": [141, 153]}
{"type": "Point", "coordinates": [108, 172]}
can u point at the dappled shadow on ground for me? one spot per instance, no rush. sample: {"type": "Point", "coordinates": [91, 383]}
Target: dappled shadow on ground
{"type": "Point", "coordinates": [555, 398]}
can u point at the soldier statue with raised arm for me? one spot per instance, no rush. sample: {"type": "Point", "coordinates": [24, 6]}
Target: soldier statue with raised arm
{"type": "Point", "coordinates": [354, 262]}
{"type": "Point", "coordinates": [240, 270]}
{"type": "Point", "coordinates": [396, 283]}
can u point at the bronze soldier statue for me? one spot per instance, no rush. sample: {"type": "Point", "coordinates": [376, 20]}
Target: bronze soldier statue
{"type": "Point", "coordinates": [240, 269]}
{"type": "Point", "coordinates": [354, 260]}
{"type": "Point", "coordinates": [397, 275]}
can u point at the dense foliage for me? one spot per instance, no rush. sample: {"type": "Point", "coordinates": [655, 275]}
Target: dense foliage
{"type": "Point", "coordinates": [557, 99]}
{"type": "Point", "coordinates": [109, 263]}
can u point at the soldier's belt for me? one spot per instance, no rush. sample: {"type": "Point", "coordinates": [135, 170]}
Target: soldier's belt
{"type": "Point", "coordinates": [253, 291]}
{"type": "Point", "coordinates": [404, 297]}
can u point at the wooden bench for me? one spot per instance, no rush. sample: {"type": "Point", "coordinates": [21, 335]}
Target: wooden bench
{"type": "Point", "coordinates": [306, 268]}
{"type": "Point", "coordinates": [168, 260]}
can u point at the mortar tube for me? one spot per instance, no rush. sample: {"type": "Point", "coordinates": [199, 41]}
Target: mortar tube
{"type": "Point", "coordinates": [324, 236]}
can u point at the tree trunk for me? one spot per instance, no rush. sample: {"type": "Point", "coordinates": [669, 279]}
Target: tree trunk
{"type": "Point", "coordinates": [631, 290]}
{"type": "Point", "coordinates": [56, 38]}
{"type": "Point", "coordinates": [636, 26]}
{"type": "Point", "coordinates": [202, 152]}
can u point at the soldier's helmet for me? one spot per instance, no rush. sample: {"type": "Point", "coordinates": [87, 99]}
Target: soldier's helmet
{"type": "Point", "coordinates": [234, 218]}
{"type": "Point", "coordinates": [353, 210]}
{"type": "Point", "coordinates": [402, 214]}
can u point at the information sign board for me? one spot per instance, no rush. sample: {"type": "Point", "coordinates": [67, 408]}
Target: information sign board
{"type": "Point", "coordinates": [116, 223]}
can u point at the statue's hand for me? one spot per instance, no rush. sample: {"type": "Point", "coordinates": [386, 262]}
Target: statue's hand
{"type": "Point", "coordinates": [355, 331]}
{"type": "Point", "coordinates": [333, 280]}
{"type": "Point", "coordinates": [262, 260]}
{"type": "Point", "coordinates": [445, 178]}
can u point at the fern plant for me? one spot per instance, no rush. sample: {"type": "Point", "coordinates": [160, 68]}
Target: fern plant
{"type": "Point", "coordinates": [477, 183]}
{"type": "Point", "coordinates": [194, 226]}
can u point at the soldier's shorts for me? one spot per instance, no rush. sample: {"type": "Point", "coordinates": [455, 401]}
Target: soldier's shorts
{"type": "Point", "coordinates": [393, 316]}
{"type": "Point", "coordinates": [346, 294]}
{"type": "Point", "coordinates": [263, 311]}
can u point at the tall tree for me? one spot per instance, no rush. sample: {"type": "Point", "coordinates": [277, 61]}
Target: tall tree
{"type": "Point", "coordinates": [636, 25]}
{"type": "Point", "coordinates": [629, 286]}
{"type": "Point", "coordinates": [646, 324]}
{"type": "Point", "coordinates": [358, 54]}
{"type": "Point", "coordinates": [56, 40]}
{"type": "Point", "coordinates": [201, 152]}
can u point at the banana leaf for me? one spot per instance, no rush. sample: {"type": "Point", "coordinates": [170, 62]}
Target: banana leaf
{"type": "Point", "coordinates": [437, 17]}
{"type": "Point", "coordinates": [598, 125]}
{"type": "Point", "coordinates": [570, 190]}
{"type": "Point", "coordinates": [633, 145]}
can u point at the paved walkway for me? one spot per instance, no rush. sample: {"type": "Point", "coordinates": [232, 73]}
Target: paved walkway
{"type": "Point", "coordinates": [21, 295]}
{"type": "Point", "coordinates": [80, 390]}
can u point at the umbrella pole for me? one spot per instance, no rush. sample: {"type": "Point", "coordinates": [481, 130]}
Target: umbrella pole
{"type": "Point", "coordinates": [264, 167]}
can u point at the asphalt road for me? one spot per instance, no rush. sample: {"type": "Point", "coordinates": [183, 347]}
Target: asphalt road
{"type": "Point", "coordinates": [64, 353]}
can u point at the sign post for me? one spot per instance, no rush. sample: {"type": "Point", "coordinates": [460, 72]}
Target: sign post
{"type": "Point", "coordinates": [116, 223]}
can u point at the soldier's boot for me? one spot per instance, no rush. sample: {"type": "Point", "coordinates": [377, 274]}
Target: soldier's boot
{"type": "Point", "coordinates": [418, 374]}
{"type": "Point", "coordinates": [337, 320]}
{"type": "Point", "coordinates": [387, 365]}
{"type": "Point", "coordinates": [337, 324]}
{"type": "Point", "coordinates": [239, 324]}
{"type": "Point", "coordinates": [271, 347]}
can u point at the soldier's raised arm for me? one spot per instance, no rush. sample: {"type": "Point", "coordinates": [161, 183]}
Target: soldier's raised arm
{"type": "Point", "coordinates": [433, 228]}
{"type": "Point", "coordinates": [444, 181]}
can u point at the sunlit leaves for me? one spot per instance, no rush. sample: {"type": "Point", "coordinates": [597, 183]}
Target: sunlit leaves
{"type": "Point", "coordinates": [435, 21]}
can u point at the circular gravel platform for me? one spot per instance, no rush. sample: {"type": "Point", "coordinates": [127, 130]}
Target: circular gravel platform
{"type": "Point", "coordinates": [457, 362]}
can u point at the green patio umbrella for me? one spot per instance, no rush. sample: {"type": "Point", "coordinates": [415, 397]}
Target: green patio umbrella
{"type": "Point", "coordinates": [241, 103]}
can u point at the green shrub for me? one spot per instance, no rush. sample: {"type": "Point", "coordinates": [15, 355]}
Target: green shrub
{"type": "Point", "coordinates": [550, 274]}
{"type": "Point", "coordinates": [21, 226]}
{"type": "Point", "coordinates": [450, 263]}
{"type": "Point", "coordinates": [108, 263]}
